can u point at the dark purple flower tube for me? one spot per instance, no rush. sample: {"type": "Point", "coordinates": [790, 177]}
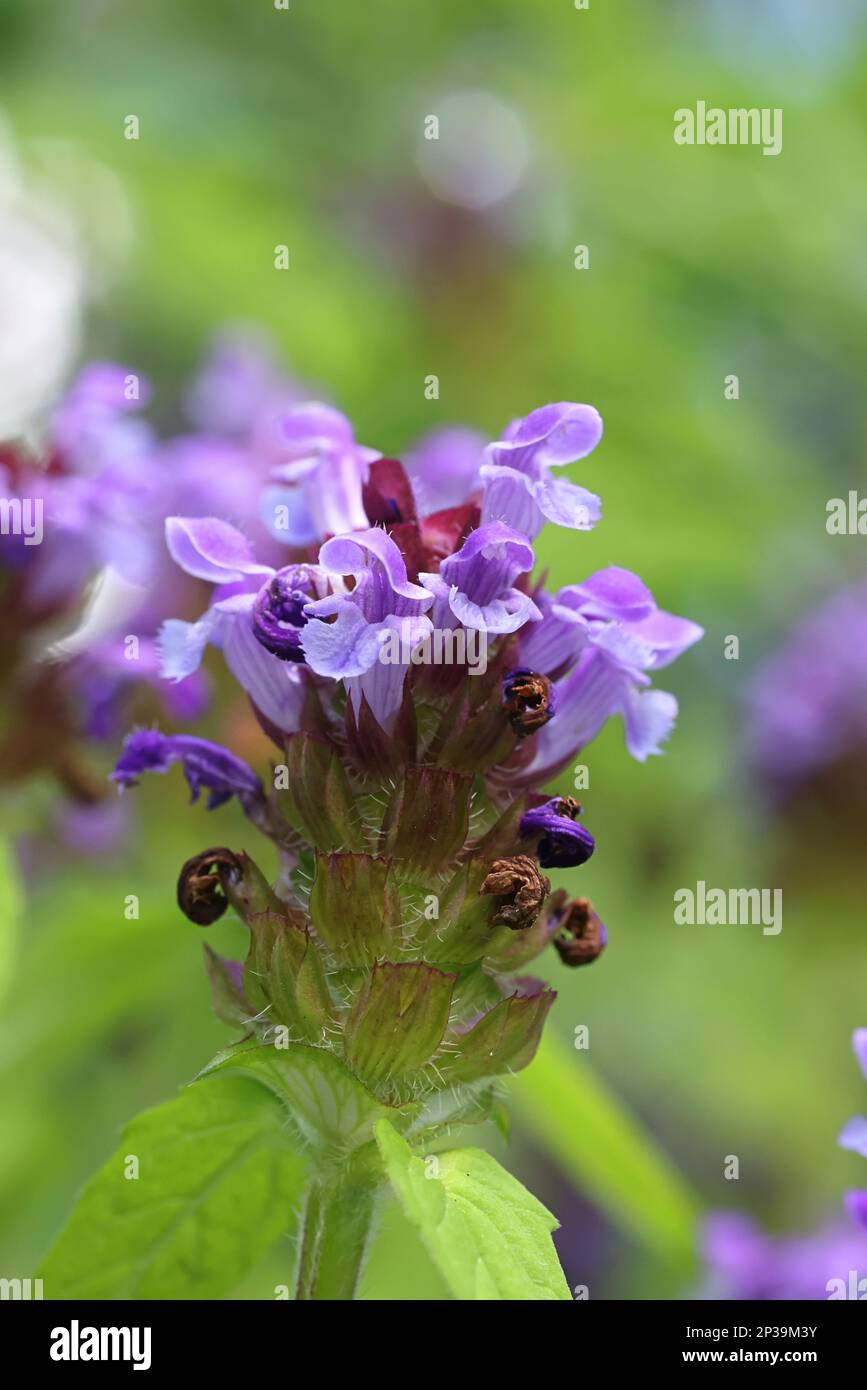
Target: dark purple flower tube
{"type": "Point", "coordinates": [278, 613]}
{"type": "Point", "coordinates": [564, 843]}
{"type": "Point", "coordinates": [206, 765]}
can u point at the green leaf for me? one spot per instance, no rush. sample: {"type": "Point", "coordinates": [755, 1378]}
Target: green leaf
{"type": "Point", "coordinates": [218, 1182]}
{"type": "Point", "coordinates": [489, 1238]}
{"type": "Point", "coordinates": [332, 1109]}
{"type": "Point", "coordinates": [567, 1108]}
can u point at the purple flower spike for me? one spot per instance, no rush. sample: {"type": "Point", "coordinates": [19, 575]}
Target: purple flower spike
{"type": "Point", "coordinates": [475, 586]}
{"type": "Point", "coordinates": [206, 765]}
{"type": "Point", "coordinates": [519, 489]}
{"type": "Point", "coordinates": [564, 843]}
{"type": "Point", "coordinates": [278, 612]}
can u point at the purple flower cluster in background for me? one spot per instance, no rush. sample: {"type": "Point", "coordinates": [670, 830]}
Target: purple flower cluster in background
{"type": "Point", "coordinates": [743, 1262]}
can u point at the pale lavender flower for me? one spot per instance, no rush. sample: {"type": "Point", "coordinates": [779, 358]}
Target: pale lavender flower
{"type": "Point", "coordinates": [519, 487]}
{"type": "Point", "coordinates": [213, 550]}
{"type": "Point", "coordinates": [317, 487]}
{"type": "Point", "coordinates": [603, 637]}
{"type": "Point", "coordinates": [475, 586]}
{"type": "Point", "coordinates": [381, 601]}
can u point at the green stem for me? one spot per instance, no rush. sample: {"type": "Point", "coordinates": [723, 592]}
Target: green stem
{"type": "Point", "coordinates": [336, 1229]}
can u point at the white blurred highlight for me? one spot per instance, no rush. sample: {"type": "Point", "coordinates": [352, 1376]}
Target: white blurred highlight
{"type": "Point", "coordinates": [482, 152]}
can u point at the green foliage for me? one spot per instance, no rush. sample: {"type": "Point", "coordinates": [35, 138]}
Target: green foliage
{"type": "Point", "coordinates": [217, 1182]}
{"type": "Point", "coordinates": [606, 1151]}
{"type": "Point", "coordinates": [489, 1238]}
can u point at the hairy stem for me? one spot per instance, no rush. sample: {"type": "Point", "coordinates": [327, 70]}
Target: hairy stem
{"type": "Point", "coordinates": [335, 1236]}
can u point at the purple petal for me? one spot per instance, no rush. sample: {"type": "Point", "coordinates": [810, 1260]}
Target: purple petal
{"type": "Point", "coordinates": [566, 504]}
{"type": "Point", "coordinates": [277, 688]}
{"type": "Point", "coordinates": [610, 593]}
{"type": "Point", "coordinates": [853, 1135]}
{"type": "Point", "coordinates": [377, 585]}
{"type": "Point", "coordinates": [444, 468]}
{"type": "Point", "coordinates": [206, 765]}
{"type": "Point", "coordinates": [557, 640]}
{"type": "Point", "coordinates": [649, 716]}
{"type": "Point", "coordinates": [510, 498]}
{"type": "Point", "coordinates": [856, 1206]}
{"type": "Point", "coordinates": [480, 577]}
{"type": "Point", "coordinates": [565, 844]}
{"type": "Point", "coordinates": [667, 636]}
{"type": "Point", "coordinates": [182, 645]}
{"type": "Point", "coordinates": [211, 549]}
{"type": "Point", "coordinates": [552, 435]}
{"type": "Point", "coordinates": [859, 1044]}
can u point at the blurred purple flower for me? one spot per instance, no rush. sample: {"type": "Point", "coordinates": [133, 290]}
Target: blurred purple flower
{"type": "Point", "coordinates": [808, 702]}
{"type": "Point", "coordinates": [444, 468]}
{"type": "Point", "coordinates": [854, 1134]}
{"type": "Point", "coordinates": [317, 487]}
{"type": "Point", "coordinates": [743, 1262]}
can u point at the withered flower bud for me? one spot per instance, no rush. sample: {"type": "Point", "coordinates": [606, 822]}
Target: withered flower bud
{"type": "Point", "coordinates": [203, 885]}
{"type": "Point", "coordinates": [522, 888]}
{"type": "Point", "coordinates": [528, 700]}
{"type": "Point", "coordinates": [581, 936]}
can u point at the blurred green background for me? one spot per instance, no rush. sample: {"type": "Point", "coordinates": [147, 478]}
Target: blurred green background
{"type": "Point", "coordinates": [261, 127]}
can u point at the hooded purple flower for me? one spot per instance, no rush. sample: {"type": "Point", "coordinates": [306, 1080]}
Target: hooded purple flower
{"type": "Point", "coordinates": [246, 608]}
{"type": "Point", "coordinates": [206, 765]}
{"type": "Point", "coordinates": [564, 843]}
{"type": "Point", "coordinates": [380, 602]}
{"type": "Point", "coordinates": [519, 487]}
{"type": "Point", "coordinates": [319, 482]}
{"type": "Point", "coordinates": [603, 637]}
{"type": "Point", "coordinates": [474, 587]}
{"type": "Point", "coordinates": [854, 1136]}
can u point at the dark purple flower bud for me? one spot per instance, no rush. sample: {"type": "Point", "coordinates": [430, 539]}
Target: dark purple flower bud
{"type": "Point", "coordinates": [581, 936]}
{"type": "Point", "coordinates": [528, 700]}
{"type": "Point", "coordinates": [206, 765]}
{"type": "Point", "coordinates": [278, 613]}
{"type": "Point", "coordinates": [564, 844]}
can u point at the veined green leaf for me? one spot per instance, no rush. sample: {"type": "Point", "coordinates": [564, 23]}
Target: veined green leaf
{"type": "Point", "coordinates": [489, 1238]}
{"type": "Point", "coordinates": [194, 1196]}
{"type": "Point", "coordinates": [606, 1151]}
{"type": "Point", "coordinates": [330, 1106]}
